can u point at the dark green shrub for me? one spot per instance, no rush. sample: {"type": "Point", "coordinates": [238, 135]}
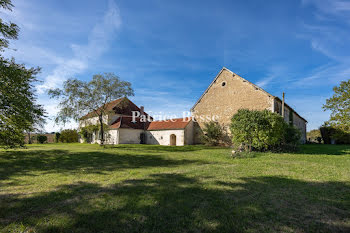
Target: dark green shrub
{"type": "Point", "coordinates": [326, 134]}
{"type": "Point", "coordinates": [41, 139]}
{"type": "Point", "coordinates": [57, 137]}
{"type": "Point", "coordinates": [262, 130]}
{"type": "Point", "coordinates": [69, 136]}
{"type": "Point", "coordinates": [212, 133]}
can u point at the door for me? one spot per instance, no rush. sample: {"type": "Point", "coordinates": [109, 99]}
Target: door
{"type": "Point", "coordinates": [173, 140]}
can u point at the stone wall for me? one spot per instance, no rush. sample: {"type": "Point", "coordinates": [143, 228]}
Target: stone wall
{"type": "Point", "coordinates": [298, 122]}
{"type": "Point", "coordinates": [162, 137]}
{"type": "Point", "coordinates": [130, 136]}
{"type": "Point", "coordinates": [226, 95]}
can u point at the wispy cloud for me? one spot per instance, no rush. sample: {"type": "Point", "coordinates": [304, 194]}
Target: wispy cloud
{"type": "Point", "coordinates": [275, 71]}
{"type": "Point", "coordinates": [328, 40]}
{"type": "Point", "coordinates": [98, 42]}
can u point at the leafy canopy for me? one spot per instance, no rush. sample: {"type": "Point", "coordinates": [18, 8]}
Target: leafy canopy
{"type": "Point", "coordinates": [261, 130]}
{"type": "Point", "coordinates": [77, 97]}
{"type": "Point", "coordinates": [339, 105]}
{"type": "Point", "coordinates": [18, 109]}
{"type": "Point", "coordinates": [8, 30]}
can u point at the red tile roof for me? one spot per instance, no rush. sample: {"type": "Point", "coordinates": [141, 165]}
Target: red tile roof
{"type": "Point", "coordinates": [117, 107]}
{"type": "Point", "coordinates": [125, 122]}
{"type": "Point", "coordinates": [179, 123]}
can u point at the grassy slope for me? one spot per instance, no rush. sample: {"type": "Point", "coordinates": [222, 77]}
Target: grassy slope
{"type": "Point", "coordinates": [143, 188]}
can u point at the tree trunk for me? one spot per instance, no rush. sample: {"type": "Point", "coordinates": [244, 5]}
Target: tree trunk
{"type": "Point", "coordinates": [102, 136]}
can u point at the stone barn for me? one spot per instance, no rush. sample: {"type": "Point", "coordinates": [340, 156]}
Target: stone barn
{"type": "Point", "coordinates": [229, 92]}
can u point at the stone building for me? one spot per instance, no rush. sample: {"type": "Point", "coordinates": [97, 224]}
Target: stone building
{"type": "Point", "coordinates": [123, 128]}
{"type": "Point", "coordinates": [222, 99]}
{"type": "Point", "coordinates": [229, 92]}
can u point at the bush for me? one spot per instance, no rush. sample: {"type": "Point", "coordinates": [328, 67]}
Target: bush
{"type": "Point", "coordinates": [41, 139]}
{"type": "Point", "coordinates": [262, 130]}
{"type": "Point", "coordinates": [330, 133]}
{"type": "Point", "coordinates": [326, 134]}
{"type": "Point", "coordinates": [69, 136]}
{"type": "Point", "coordinates": [212, 133]}
{"type": "Point", "coordinates": [57, 137]}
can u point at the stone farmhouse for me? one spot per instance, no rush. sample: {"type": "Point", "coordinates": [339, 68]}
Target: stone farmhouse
{"type": "Point", "coordinates": [227, 93]}
{"type": "Point", "coordinates": [126, 129]}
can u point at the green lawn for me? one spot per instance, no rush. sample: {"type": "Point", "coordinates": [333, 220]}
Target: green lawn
{"type": "Point", "coordinates": [143, 188]}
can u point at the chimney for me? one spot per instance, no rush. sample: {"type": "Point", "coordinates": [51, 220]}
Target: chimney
{"type": "Point", "coordinates": [142, 111]}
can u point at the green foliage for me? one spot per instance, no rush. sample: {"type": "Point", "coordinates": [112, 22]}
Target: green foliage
{"type": "Point", "coordinates": [313, 135]}
{"type": "Point", "coordinates": [339, 105]}
{"type": "Point", "coordinates": [69, 136]}
{"type": "Point", "coordinates": [19, 111]}
{"type": "Point", "coordinates": [87, 131]}
{"type": "Point", "coordinates": [262, 130]}
{"type": "Point", "coordinates": [330, 133]}
{"type": "Point", "coordinates": [57, 137]}
{"type": "Point", "coordinates": [41, 139]}
{"type": "Point", "coordinates": [78, 97]}
{"type": "Point", "coordinates": [326, 133]}
{"type": "Point", "coordinates": [212, 133]}
{"type": "Point", "coordinates": [7, 30]}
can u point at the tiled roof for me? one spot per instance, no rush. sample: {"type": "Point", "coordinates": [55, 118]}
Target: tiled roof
{"type": "Point", "coordinates": [117, 107]}
{"type": "Point", "coordinates": [179, 123]}
{"type": "Point", "coordinates": [125, 122]}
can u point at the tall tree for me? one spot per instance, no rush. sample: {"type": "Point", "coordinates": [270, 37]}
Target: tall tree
{"type": "Point", "coordinates": [7, 30]}
{"type": "Point", "coordinates": [339, 105]}
{"type": "Point", "coordinates": [78, 97]}
{"type": "Point", "coordinates": [18, 109]}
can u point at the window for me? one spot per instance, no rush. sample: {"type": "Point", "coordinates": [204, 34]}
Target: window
{"type": "Point", "coordinates": [223, 84]}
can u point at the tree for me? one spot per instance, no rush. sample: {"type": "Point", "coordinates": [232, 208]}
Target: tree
{"type": "Point", "coordinates": [212, 133]}
{"type": "Point", "coordinates": [57, 137]}
{"type": "Point", "coordinates": [262, 130]}
{"type": "Point", "coordinates": [18, 109]}
{"type": "Point", "coordinates": [69, 136]}
{"type": "Point", "coordinates": [41, 139]}
{"type": "Point", "coordinates": [339, 105]}
{"type": "Point", "coordinates": [7, 30]}
{"type": "Point", "coordinates": [78, 97]}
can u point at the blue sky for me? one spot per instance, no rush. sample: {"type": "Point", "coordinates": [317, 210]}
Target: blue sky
{"type": "Point", "coordinates": [171, 50]}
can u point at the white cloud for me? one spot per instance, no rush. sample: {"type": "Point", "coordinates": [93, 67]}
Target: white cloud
{"type": "Point", "coordinates": [329, 40]}
{"type": "Point", "coordinates": [275, 71]}
{"type": "Point", "coordinates": [98, 42]}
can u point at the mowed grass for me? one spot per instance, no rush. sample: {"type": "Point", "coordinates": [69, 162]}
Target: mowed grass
{"type": "Point", "coordinates": [144, 188]}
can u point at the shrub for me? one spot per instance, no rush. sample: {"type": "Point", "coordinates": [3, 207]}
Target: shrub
{"type": "Point", "coordinates": [262, 130]}
{"type": "Point", "coordinates": [41, 139]}
{"type": "Point", "coordinates": [87, 131]}
{"type": "Point", "coordinates": [69, 136]}
{"type": "Point", "coordinates": [212, 133]}
{"type": "Point", "coordinates": [326, 134]}
{"type": "Point", "coordinates": [330, 133]}
{"type": "Point", "coordinates": [57, 137]}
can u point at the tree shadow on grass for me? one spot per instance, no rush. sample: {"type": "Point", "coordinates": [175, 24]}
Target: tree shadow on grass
{"type": "Point", "coordinates": [160, 149]}
{"type": "Point", "coordinates": [26, 162]}
{"type": "Point", "coordinates": [176, 203]}
{"type": "Point", "coordinates": [323, 149]}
